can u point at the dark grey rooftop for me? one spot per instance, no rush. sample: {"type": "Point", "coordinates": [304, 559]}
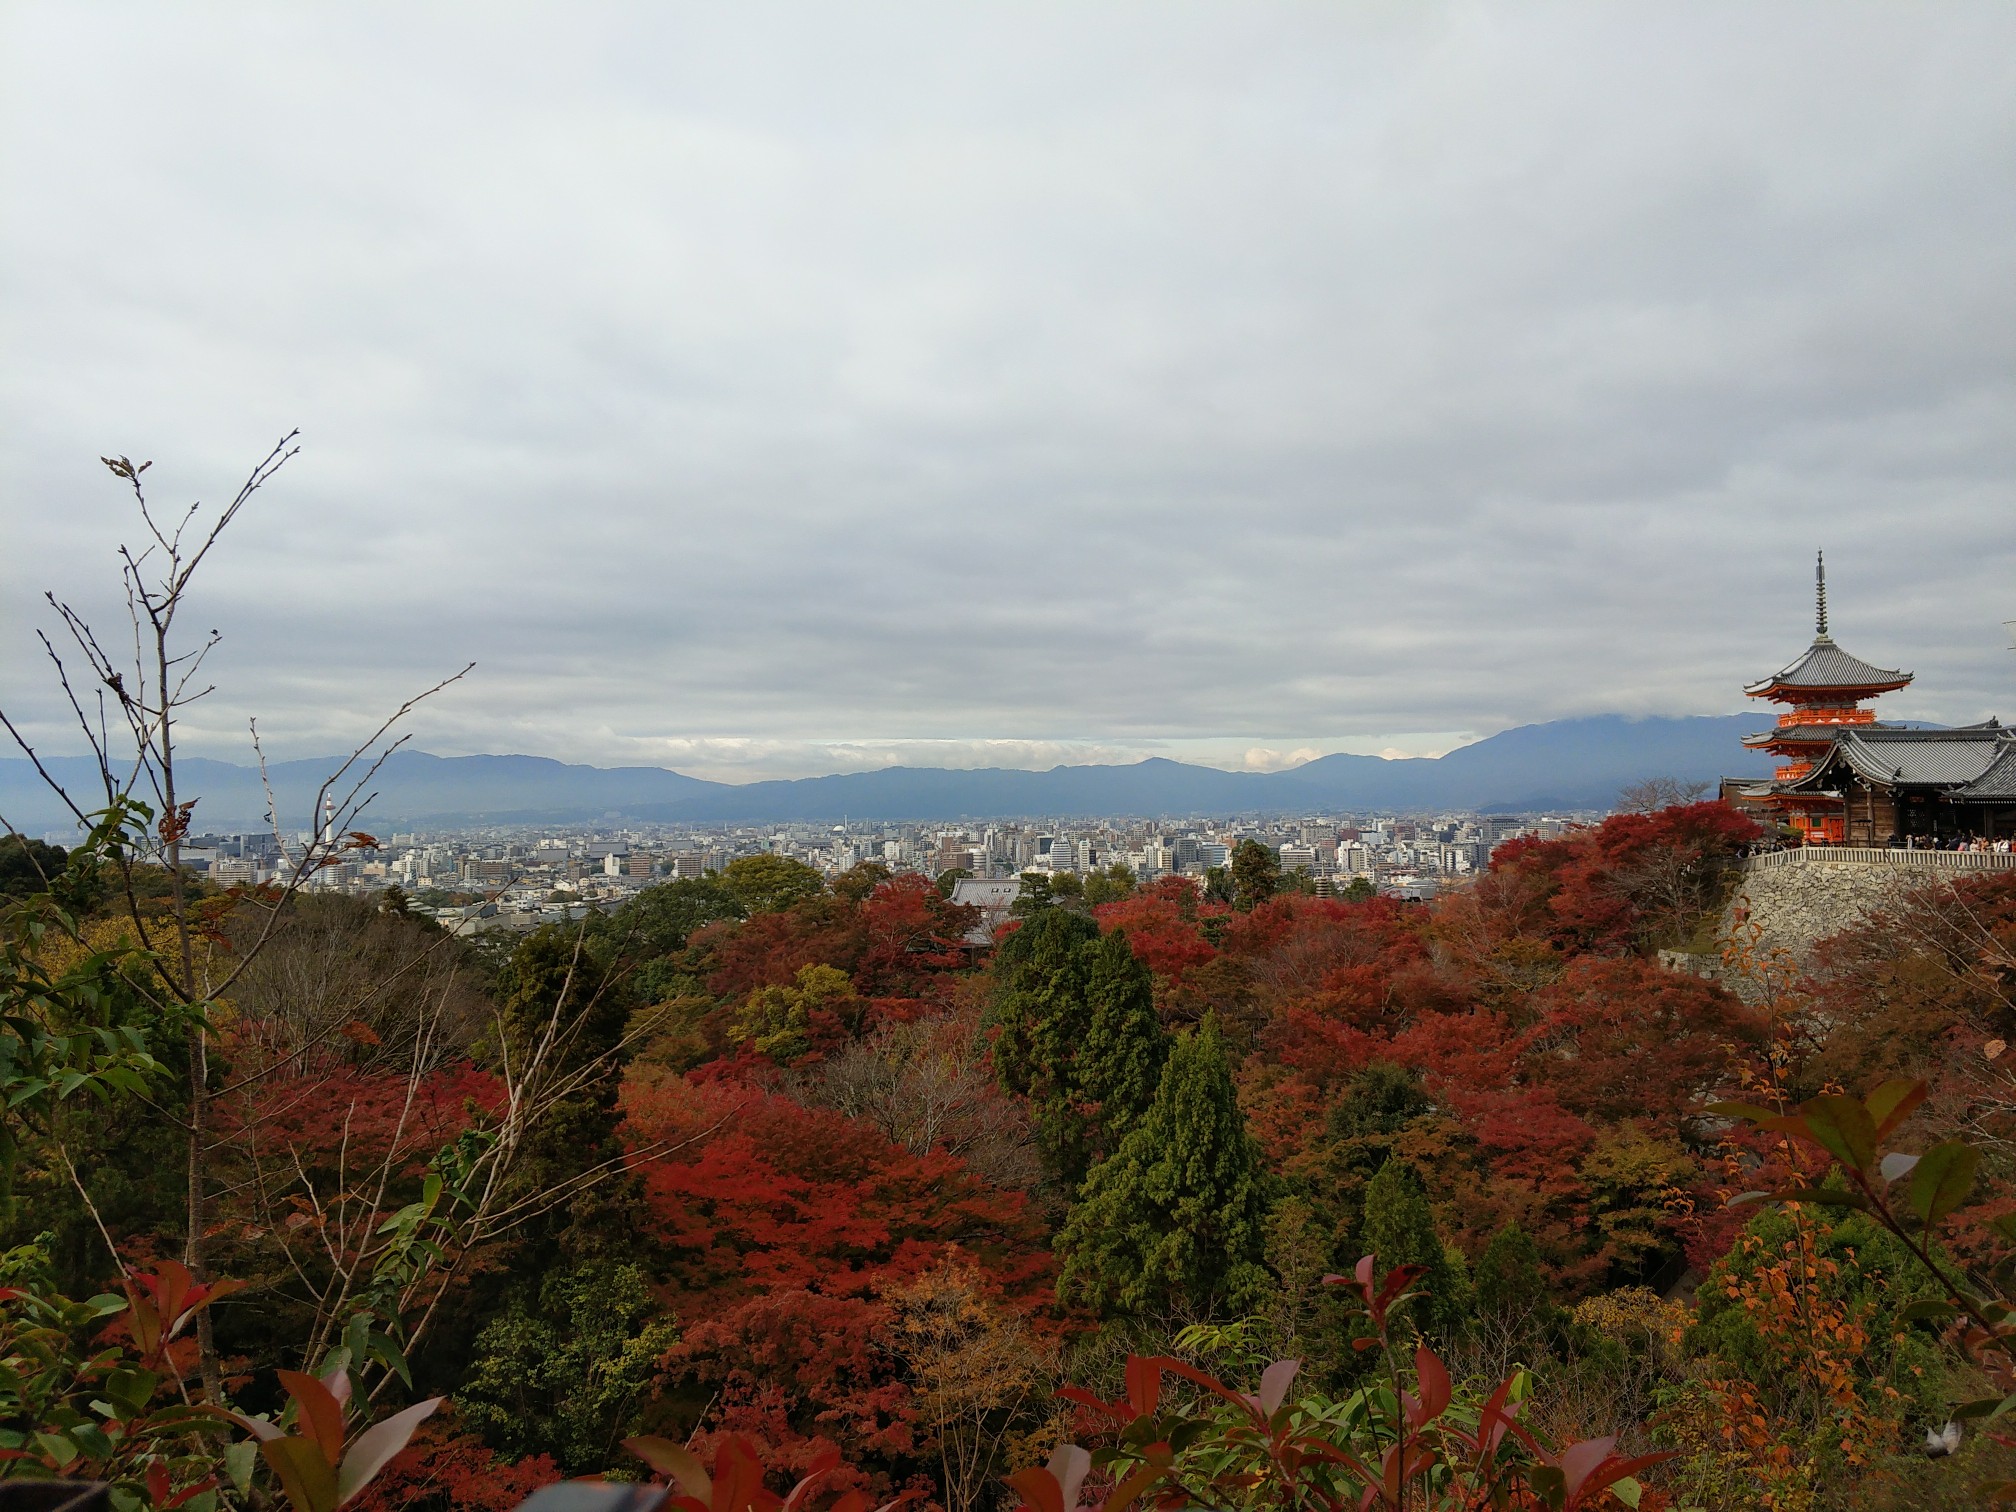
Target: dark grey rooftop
{"type": "Point", "coordinates": [1808, 732]}
{"type": "Point", "coordinates": [1911, 758]}
{"type": "Point", "coordinates": [1826, 665]}
{"type": "Point", "coordinates": [1997, 784]}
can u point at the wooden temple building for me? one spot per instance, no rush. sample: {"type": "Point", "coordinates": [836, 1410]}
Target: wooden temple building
{"type": "Point", "coordinates": [1844, 778]}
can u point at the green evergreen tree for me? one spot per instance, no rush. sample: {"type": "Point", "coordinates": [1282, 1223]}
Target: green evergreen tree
{"type": "Point", "coordinates": [555, 995]}
{"type": "Point", "coordinates": [1379, 1102]}
{"type": "Point", "coordinates": [1067, 890]}
{"type": "Point", "coordinates": [1311, 1321]}
{"type": "Point", "coordinates": [1177, 1215]}
{"type": "Point", "coordinates": [553, 982]}
{"type": "Point", "coordinates": [1109, 885]}
{"type": "Point", "coordinates": [29, 866]}
{"type": "Point", "coordinates": [1256, 874]}
{"type": "Point", "coordinates": [660, 920]}
{"type": "Point", "coordinates": [860, 880]}
{"type": "Point", "coordinates": [1044, 1016]}
{"type": "Point", "coordinates": [1866, 1272]}
{"type": "Point", "coordinates": [771, 884]}
{"type": "Point", "coordinates": [568, 1372]}
{"type": "Point", "coordinates": [1035, 897]}
{"type": "Point", "coordinates": [1124, 1048]}
{"type": "Point", "coordinates": [1040, 1007]}
{"type": "Point", "coordinates": [1511, 1293]}
{"type": "Point", "coordinates": [1399, 1228]}
{"type": "Point", "coordinates": [1378, 1105]}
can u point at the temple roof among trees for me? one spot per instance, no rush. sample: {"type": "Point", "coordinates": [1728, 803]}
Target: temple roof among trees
{"type": "Point", "coordinates": [1996, 785]}
{"type": "Point", "coordinates": [1911, 758]}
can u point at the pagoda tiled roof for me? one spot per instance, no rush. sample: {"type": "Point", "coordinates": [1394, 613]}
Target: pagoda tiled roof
{"type": "Point", "coordinates": [1826, 665]}
{"type": "Point", "coordinates": [1817, 733]}
{"type": "Point", "coordinates": [1910, 758]}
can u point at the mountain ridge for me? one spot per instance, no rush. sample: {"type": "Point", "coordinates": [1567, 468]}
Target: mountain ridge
{"type": "Point", "coordinates": [1560, 764]}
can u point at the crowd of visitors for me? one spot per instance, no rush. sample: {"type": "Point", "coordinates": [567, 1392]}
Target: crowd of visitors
{"type": "Point", "coordinates": [2000, 846]}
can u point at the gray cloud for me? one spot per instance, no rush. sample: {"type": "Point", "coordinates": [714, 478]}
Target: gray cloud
{"type": "Point", "coordinates": [779, 388]}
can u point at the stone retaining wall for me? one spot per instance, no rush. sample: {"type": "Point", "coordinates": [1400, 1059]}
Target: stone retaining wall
{"type": "Point", "coordinates": [1800, 897]}
{"type": "Point", "coordinates": [1796, 907]}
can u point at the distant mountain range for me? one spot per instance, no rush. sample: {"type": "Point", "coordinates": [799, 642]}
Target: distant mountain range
{"type": "Point", "coordinates": [1566, 764]}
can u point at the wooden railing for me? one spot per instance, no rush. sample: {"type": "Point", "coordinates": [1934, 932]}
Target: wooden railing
{"type": "Point", "coordinates": [1873, 855]}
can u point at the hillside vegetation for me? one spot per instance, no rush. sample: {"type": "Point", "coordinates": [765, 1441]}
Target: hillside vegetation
{"type": "Point", "coordinates": [764, 1166]}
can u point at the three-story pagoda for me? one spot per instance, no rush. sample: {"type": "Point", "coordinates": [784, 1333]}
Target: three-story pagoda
{"type": "Point", "coordinates": [1823, 691]}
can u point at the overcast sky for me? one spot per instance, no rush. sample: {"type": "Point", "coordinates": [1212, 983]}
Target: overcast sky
{"type": "Point", "coordinates": [768, 390]}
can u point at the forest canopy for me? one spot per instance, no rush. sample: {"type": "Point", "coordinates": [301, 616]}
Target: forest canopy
{"type": "Point", "coordinates": [765, 1163]}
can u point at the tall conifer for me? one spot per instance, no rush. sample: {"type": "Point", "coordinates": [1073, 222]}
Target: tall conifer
{"type": "Point", "coordinates": [1176, 1215]}
{"type": "Point", "coordinates": [1398, 1228]}
{"type": "Point", "coordinates": [555, 995]}
{"type": "Point", "coordinates": [1044, 1016]}
{"type": "Point", "coordinates": [1121, 1059]}
{"type": "Point", "coordinates": [1256, 874]}
{"type": "Point", "coordinates": [1512, 1296]}
{"type": "Point", "coordinates": [1041, 1010]}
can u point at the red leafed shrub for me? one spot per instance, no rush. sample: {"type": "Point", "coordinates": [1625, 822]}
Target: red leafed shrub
{"type": "Point", "coordinates": [797, 1373]}
{"type": "Point", "coordinates": [453, 1472]}
{"type": "Point", "coordinates": [1461, 1056]}
{"type": "Point", "coordinates": [1366, 962]}
{"type": "Point", "coordinates": [1340, 933]}
{"type": "Point", "coordinates": [1634, 879]}
{"type": "Point", "coordinates": [1527, 1137]}
{"type": "Point", "coordinates": [782, 1197]}
{"type": "Point", "coordinates": [1165, 924]}
{"type": "Point", "coordinates": [781, 1225]}
{"type": "Point", "coordinates": [361, 1115]}
{"type": "Point", "coordinates": [737, 956]}
{"type": "Point", "coordinates": [1207, 1444]}
{"type": "Point", "coordinates": [737, 1481]}
{"type": "Point", "coordinates": [896, 946]}
{"type": "Point", "coordinates": [913, 933]}
{"type": "Point", "coordinates": [1321, 1046]}
{"type": "Point", "coordinates": [1627, 1039]}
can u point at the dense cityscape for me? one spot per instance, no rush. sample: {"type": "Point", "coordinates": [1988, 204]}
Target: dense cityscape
{"type": "Point", "coordinates": [520, 878]}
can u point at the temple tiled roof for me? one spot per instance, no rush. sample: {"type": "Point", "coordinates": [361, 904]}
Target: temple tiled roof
{"type": "Point", "coordinates": [1996, 785]}
{"type": "Point", "coordinates": [1826, 665]}
{"type": "Point", "coordinates": [1910, 758]}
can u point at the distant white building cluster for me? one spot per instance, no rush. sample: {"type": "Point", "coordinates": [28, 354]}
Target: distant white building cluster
{"type": "Point", "coordinates": [521, 877]}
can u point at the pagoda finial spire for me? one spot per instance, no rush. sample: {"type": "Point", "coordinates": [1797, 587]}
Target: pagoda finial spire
{"type": "Point", "coordinates": [1820, 594]}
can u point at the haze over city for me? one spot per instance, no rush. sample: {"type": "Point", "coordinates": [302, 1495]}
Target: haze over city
{"type": "Point", "coordinates": [776, 391]}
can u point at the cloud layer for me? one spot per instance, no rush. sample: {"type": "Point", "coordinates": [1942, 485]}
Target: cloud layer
{"type": "Point", "coordinates": [762, 390]}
